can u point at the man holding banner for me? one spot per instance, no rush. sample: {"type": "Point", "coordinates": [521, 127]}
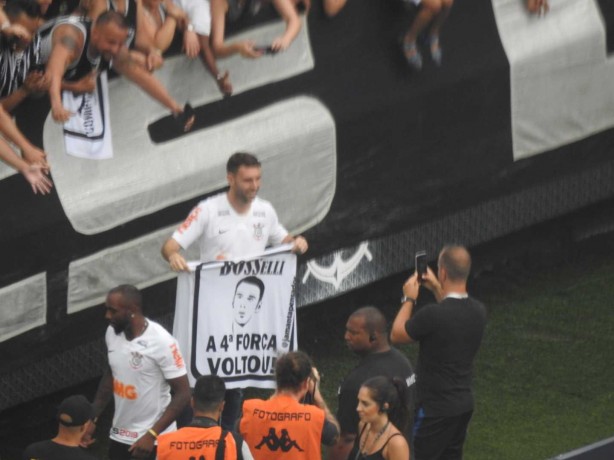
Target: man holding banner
{"type": "Point", "coordinates": [231, 225]}
{"type": "Point", "coordinates": [235, 226]}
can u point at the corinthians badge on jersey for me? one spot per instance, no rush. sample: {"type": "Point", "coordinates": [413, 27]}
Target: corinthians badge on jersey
{"type": "Point", "coordinates": [136, 361]}
{"type": "Point", "coordinates": [258, 231]}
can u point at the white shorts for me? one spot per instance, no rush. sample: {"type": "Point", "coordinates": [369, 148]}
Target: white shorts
{"type": "Point", "coordinates": [199, 13]}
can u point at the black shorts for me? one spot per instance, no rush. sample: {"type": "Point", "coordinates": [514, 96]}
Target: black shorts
{"type": "Point", "coordinates": [440, 438]}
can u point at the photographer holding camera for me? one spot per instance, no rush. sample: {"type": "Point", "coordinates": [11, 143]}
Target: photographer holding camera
{"type": "Point", "coordinates": [293, 430]}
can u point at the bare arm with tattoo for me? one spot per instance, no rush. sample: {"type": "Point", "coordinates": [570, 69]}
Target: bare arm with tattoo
{"type": "Point", "coordinates": [67, 44]}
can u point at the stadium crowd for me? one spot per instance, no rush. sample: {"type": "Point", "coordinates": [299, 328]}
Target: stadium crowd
{"type": "Point", "coordinates": [52, 47]}
{"type": "Point", "coordinates": [62, 45]}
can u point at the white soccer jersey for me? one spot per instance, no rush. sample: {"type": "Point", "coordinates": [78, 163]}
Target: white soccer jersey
{"type": "Point", "coordinates": [224, 234]}
{"type": "Point", "coordinates": [140, 369]}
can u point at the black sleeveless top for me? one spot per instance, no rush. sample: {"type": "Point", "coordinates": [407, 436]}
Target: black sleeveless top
{"type": "Point", "coordinates": [355, 454]}
{"type": "Point", "coordinates": [85, 64]}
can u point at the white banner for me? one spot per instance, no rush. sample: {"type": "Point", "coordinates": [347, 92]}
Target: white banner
{"type": "Point", "coordinates": [233, 318]}
{"type": "Point", "coordinates": [87, 133]}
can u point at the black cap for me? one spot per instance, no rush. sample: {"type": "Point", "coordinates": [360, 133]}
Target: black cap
{"type": "Point", "coordinates": [75, 411]}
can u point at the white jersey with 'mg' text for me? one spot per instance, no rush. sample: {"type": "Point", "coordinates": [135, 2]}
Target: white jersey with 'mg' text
{"type": "Point", "coordinates": [140, 369]}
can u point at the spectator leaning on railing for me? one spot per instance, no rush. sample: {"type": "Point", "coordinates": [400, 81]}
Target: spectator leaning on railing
{"type": "Point", "coordinates": [80, 48]}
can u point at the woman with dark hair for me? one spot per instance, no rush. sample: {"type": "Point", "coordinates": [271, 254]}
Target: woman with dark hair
{"type": "Point", "coordinates": [382, 409]}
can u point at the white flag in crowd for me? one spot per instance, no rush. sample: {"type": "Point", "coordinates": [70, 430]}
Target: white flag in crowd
{"type": "Point", "coordinates": [87, 133]}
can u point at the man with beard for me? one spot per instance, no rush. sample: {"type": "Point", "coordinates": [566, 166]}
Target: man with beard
{"type": "Point", "coordinates": [233, 224]}
{"type": "Point", "coordinates": [230, 225]}
{"type": "Point", "coordinates": [284, 426]}
{"type": "Point", "coordinates": [145, 364]}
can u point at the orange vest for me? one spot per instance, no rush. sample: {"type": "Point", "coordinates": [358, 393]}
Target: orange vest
{"type": "Point", "coordinates": [194, 442]}
{"type": "Point", "coordinates": [282, 428]}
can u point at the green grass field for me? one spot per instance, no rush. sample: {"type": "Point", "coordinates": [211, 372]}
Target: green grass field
{"type": "Point", "coordinates": [544, 375]}
{"type": "Point", "coordinates": [544, 382]}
